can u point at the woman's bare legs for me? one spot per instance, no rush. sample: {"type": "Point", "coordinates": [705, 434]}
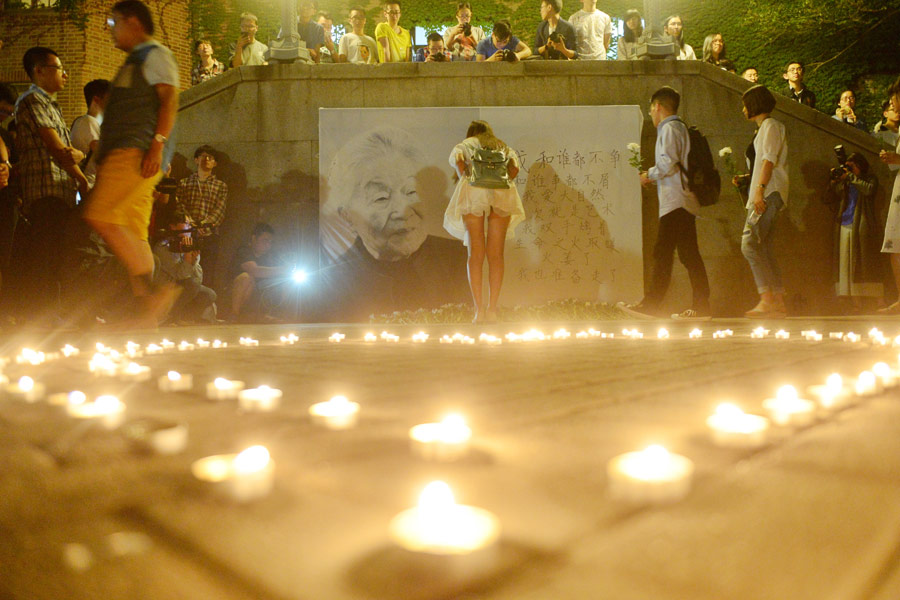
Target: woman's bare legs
{"type": "Point", "coordinates": [894, 308]}
{"type": "Point", "coordinates": [496, 242]}
{"type": "Point", "coordinates": [475, 227]}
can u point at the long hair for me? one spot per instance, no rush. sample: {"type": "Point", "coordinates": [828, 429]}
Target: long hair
{"type": "Point", "coordinates": [485, 135]}
{"type": "Point", "coordinates": [680, 40]}
{"type": "Point", "coordinates": [632, 36]}
{"type": "Point", "coordinates": [707, 49]}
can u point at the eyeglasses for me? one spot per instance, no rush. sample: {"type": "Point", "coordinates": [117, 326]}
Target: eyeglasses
{"type": "Point", "coordinates": [392, 12]}
{"type": "Point", "coordinates": [110, 22]}
{"type": "Point", "coordinates": [57, 67]}
{"type": "Point", "coordinates": [357, 18]}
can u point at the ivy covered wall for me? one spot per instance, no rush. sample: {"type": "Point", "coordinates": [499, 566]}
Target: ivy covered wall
{"type": "Point", "coordinates": [851, 44]}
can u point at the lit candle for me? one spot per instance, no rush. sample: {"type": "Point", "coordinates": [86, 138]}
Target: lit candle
{"type": "Point", "coordinates": [561, 334]}
{"type": "Point", "coordinates": [662, 333]}
{"type": "Point", "coordinates": [103, 365]}
{"type": "Point", "coordinates": [166, 344]}
{"type": "Point", "coordinates": [867, 384]}
{"type": "Point", "coordinates": [26, 389]}
{"type": "Point", "coordinates": [248, 341]}
{"type": "Point", "coordinates": [446, 339]}
{"type": "Point", "coordinates": [219, 344]}
{"type": "Point", "coordinates": [223, 389]}
{"type": "Point", "coordinates": [781, 334]}
{"type": "Point", "coordinates": [30, 357]}
{"type": "Point", "coordinates": [886, 374]}
{"type": "Point", "coordinates": [786, 408]}
{"type": "Point", "coordinates": [852, 337]}
{"type": "Point", "coordinates": [153, 349]}
{"type": "Point", "coordinates": [132, 349]}
{"type": "Point", "coordinates": [582, 335]}
{"type": "Point", "coordinates": [173, 381]}
{"type": "Point", "coordinates": [261, 399]}
{"type": "Point", "coordinates": [161, 437]}
{"type": "Point", "coordinates": [389, 337]}
{"type": "Point", "coordinates": [107, 410]}
{"type": "Point", "coordinates": [69, 350]}
{"type": "Point", "coordinates": [695, 334]}
{"type": "Point", "coordinates": [731, 427]}
{"type": "Point", "coordinates": [135, 372]}
{"type": "Point", "coordinates": [185, 346]}
{"type": "Point", "coordinates": [370, 337]}
{"type": "Point", "coordinates": [242, 477]}
{"type": "Point", "coordinates": [289, 339]}
{"type": "Point", "coordinates": [836, 335]}
{"type": "Point", "coordinates": [833, 394]}
{"type": "Point", "coordinates": [420, 337]}
{"type": "Point", "coordinates": [65, 399]}
{"type": "Point", "coordinates": [492, 340]}
{"type": "Point", "coordinates": [336, 338]}
{"type": "Point", "coordinates": [439, 526]}
{"type": "Point", "coordinates": [444, 441]}
{"type": "Point", "coordinates": [759, 333]}
{"type": "Point", "coordinates": [201, 343]}
{"type": "Point", "coordinates": [652, 475]}
{"type": "Point", "coordinates": [594, 333]}
{"type": "Point", "coordinates": [337, 413]}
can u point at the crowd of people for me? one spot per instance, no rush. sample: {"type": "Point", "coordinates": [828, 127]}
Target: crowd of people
{"type": "Point", "coordinates": [109, 169]}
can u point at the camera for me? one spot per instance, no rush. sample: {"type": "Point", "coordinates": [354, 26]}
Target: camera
{"type": "Point", "coordinates": [439, 57]}
{"type": "Point", "coordinates": [467, 29]}
{"type": "Point", "coordinates": [841, 155]}
{"type": "Point", "coordinates": [508, 55]}
{"type": "Point", "coordinates": [167, 185]}
{"type": "Point", "coordinates": [555, 37]}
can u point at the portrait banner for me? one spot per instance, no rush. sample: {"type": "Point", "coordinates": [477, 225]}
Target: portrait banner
{"type": "Point", "coordinates": [386, 179]}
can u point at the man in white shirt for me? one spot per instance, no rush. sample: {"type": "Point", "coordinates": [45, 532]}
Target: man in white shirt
{"type": "Point", "coordinates": [356, 46]}
{"type": "Point", "coordinates": [678, 208]}
{"type": "Point", "coordinates": [85, 132]}
{"type": "Point", "coordinates": [593, 31]}
{"type": "Point", "coordinates": [248, 50]}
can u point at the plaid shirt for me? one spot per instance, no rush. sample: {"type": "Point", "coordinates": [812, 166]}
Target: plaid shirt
{"type": "Point", "coordinates": [203, 201]}
{"type": "Point", "coordinates": [39, 175]}
{"type": "Point", "coordinates": [199, 74]}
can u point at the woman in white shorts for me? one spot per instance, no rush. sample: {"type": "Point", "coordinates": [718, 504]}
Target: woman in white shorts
{"type": "Point", "coordinates": [471, 203]}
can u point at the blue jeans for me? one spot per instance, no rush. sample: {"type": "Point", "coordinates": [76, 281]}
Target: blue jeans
{"type": "Point", "coordinates": [757, 247]}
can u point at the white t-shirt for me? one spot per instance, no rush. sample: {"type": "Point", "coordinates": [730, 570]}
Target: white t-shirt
{"type": "Point", "coordinates": [85, 130]}
{"type": "Point", "coordinates": [687, 53]}
{"type": "Point", "coordinates": [253, 54]}
{"type": "Point", "coordinates": [354, 47]}
{"type": "Point", "coordinates": [160, 65]}
{"type": "Point", "coordinates": [771, 145]}
{"type": "Point", "coordinates": [590, 31]}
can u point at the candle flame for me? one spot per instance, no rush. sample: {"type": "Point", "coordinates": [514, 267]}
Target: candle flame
{"type": "Point", "coordinates": [26, 384]}
{"type": "Point", "coordinates": [106, 403]}
{"type": "Point", "coordinates": [173, 375]}
{"type": "Point", "coordinates": [221, 383]}
{"type": "Point", "coordinates": [75, 398]}
{"type": "Point", "coordinates": [834, 382]}
{"type": "Point", "coordinates": [729, 410]}
{"type": "Point", "coordinates": [254, 458]}
{"type": "Point", "coordinates": [786, 393]}
{"type": "Point", "coordinates": [881, 370]}
{"type": "Point", "coordinates": [436, 496]}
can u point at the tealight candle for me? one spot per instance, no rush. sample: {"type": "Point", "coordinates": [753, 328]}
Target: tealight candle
{"type": "Point", "coordinates": [781, 334]}
{"type": "Point", "coordinates": [107, 410]}
{"type": "Point", "coordinates": [289, 339]}
{"type": "Point", "coordinates": [420, 337]}
{"type": "Point", "coordinates": [335, 338]}
{"type": "Point", "coordinates": [65, 399]}
{"type": "Point", "coordinates": [852, 337]}
{"type": "Point", "coordinates": [153, 349]}
{"type": "Point", "coordinates": [389, 337]}
{"type": "Point", "coordinates": [561, 334]}
{"type": "Point", "coordinates": [493, 340]}
{"type": "Point", "coordinates": [242, 477]}
{"type": "Point", "coordinates": [69, 350]}
{"type": "Point", "coordinates": [30, 357]}
{"type": "Point", "coordinates": [260, 399]}
{"type": "Point", "coordinates": [201, 343]}
{"type": "Point", "coordinates": [26, 389]}
{"type": "Point", "coordinates": [223, 389]}
{"type": "Point", "coordinates": [786, 408]}
{"type": "Point", "coordinates": [833, 394]}
{"type": "Point", "coordinates": [835, 335]}
{"type": "Point", "coordinates": [173, 381]}
{"type": "Point", "coordinates": [102, 365]}
{"type": "Point", "coordinates": [886, 374]}
{"type": "Point", "coordinates": [219, 344]}
{"type": "Point", "coordinates": [444, 441]}
{"type": "Point", "coordinates": [731, 427]}
{"type": "Point", "coordinates": [759, 333]}
{"type": "Point", "coordinates": [439, 526]}
{"type": "Point", "coordinates": [370, 337]}
{"type": "Point", "coordinates": [695, 334]}
{"type": "Point", "coordinates": [867, 384]}
{"type": "Point", "coordinates": [166, 344]}
{"type": "Point", "coordinates": [652, 475]}
{"type": "Point", "coordinates": [582, 335]}
{"type": "Point", "coordinates": [185, 346]}
{"type": "Point", "coordinates": [337, 413]}
{"type": "Point", "coordinates": [135, 372]}
{"type": "Point", "coordinates": [662, 334]}
{"type": "Point", "coordinates": [248, 341]}
{"type": "Point", "coordinates": [162, 437]}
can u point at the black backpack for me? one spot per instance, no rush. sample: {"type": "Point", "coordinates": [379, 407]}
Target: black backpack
{"type": "Point", "coordinates": [702, 175]}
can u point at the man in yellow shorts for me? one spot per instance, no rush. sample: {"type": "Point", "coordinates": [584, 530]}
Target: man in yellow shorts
{"type": "Point", "coordinates": [134, 149]}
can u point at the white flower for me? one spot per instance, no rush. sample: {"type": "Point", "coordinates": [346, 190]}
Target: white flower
{"type": "Point", "coordinates": [634, 147]}
{"type": "Point", "coordinates": [724, 151]}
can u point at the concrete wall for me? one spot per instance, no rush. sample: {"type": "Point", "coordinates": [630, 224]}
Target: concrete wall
{"type": "Point", "coordinates": [265, 121]}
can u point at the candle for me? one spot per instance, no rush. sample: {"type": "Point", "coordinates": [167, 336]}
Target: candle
{"type": "Point", "coordinates": [652, 475]}
{"type": "Point", "coordinates": [242, 477]}
{"type": "Point", "coordinates": [833, 394]}
{"type": "Point", "coordinates": [389, 337]}
{"type": "Point", "coordinates": [867, 384]}
{"type": "Point", "coordinates": [695, 334]}
{"type": "Point", "coordinates": [30, 357]}
{"type": "Point", "coordinates": [492, 340]}
{"type": "Point", "coordinates": [337, 413]}
{"type": "Point", "coordinates": [185, 346]}
{"type": "Point", "coordinates": [662, 333]}
{"type": "Point", "coordinates": [370, 337]}
{"type": "Point", "coordinates": [135, 372]}
{"type": "Point", "coordinates": [852, 337]}
{"type": "Point", "coordinates": [248, 341]}
{"type": "Point", "coordinates": [173, 381]}
{"type": "Point", "coordinates": [107, 410]}
{"type": "Point", "coordinates": [439, 526]}
{"type": "Point", "coordinates": [582, 335]}
{"type": "Point", "coordinates": [594, 333]}
{"type": "Point", "coordinates": [336, 338]}
{"type": "Point", "coordinates": [723, 333]}
{"type": "Point", "coordinates": [153, 349]}
{"type": "Point", "coordinates": [161, 437]}
{"type": "Point", "coordinates": [781, 334]}
{"type": "Point", "coordinates": [166, 344]}
{"type": "Point", "coordinates": [219, 344]}
{"type": "Point", "coordinates": [201, 343]}
{"type": "Point", "coordinates": [836, 335]}
{"type": "Point", "coordinates": [420, 337]}
{"type": "Point", "coordinates": [69, 350]}
{"type": "Point", "coordinates": [731, 427]}
{"type": "Point", "coordinates": [64, 399]}
{"type": "Point", "coordinates": [289, 339]}
{"type": "Point", "coordinates": [132, 349]}
{"type": "Point", "coordinates": [26, 389]}
{"type": "Point", "coordinates": [261, 399]}
{"type": "Point", "coordinates": [444, 441]}
{"type": "Point", "coordinates": [885, 374]}
{"type": "Point", "coordinates": [786, 408]}
{"type": "Point", "coordinates": [103, 365]}
{"type": "Point", "coordinates": [223, 389]}
{"type": "Point", "coordinates": [759, 333]}
{"type": "Point", "coordinates": [561, 334]}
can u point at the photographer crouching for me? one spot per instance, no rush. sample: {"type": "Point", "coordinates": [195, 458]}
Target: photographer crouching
{"type": "Point", "coordinates": [857, 266]}
{"type": "Point", "coordinates": [177, 256]}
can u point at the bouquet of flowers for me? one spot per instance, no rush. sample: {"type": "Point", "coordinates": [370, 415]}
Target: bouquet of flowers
{"type": "Point", "coordinates": [635, 159]}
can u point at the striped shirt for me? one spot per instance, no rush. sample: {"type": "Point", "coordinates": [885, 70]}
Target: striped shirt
{"type": "Point", "coordinates": [39, 175]}
{"type": "Point", "coordinates": [203, 201]}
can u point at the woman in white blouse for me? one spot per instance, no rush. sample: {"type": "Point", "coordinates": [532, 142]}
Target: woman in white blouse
{"type": "Point", "coordinates": [674, 26]}
{"type": "Point", "coordinates": [768, 196]}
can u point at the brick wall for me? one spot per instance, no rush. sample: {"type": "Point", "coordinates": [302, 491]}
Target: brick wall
{"type": "Point", "coordinates": [87, 54]}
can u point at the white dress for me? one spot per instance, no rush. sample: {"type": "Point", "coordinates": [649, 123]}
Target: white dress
{"type": "Point", "coordinates": [471, 200]}
{"type": "Point", "coordinates": [892, 226]}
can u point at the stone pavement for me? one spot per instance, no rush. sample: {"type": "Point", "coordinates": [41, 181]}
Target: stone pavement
{"type": "Point", "coordinates": [815, 514]}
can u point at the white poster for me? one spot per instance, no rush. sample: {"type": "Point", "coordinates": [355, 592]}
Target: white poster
{"type": "Point", "coordinates": [581, 237]}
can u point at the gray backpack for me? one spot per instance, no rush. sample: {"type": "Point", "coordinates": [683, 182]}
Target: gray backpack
{"type": "Point", "coordinates": [489, 169]}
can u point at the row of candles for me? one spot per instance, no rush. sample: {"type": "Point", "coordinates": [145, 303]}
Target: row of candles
{"type": "Point", "coordinates": [438, 525]}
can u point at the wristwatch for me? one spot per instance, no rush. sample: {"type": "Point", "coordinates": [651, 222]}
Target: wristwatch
{"type": "Point", "coordinates": [160, 138]}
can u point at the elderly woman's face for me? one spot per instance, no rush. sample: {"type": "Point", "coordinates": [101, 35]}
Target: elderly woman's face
{"type": "Point", "coordinates": [385, 211]}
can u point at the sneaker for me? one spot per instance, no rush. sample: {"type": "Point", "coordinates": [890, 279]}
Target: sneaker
{"type": "Point", "coordinates": [691, 314]}
{"type": "Point", "coordinates": [639, 310]}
